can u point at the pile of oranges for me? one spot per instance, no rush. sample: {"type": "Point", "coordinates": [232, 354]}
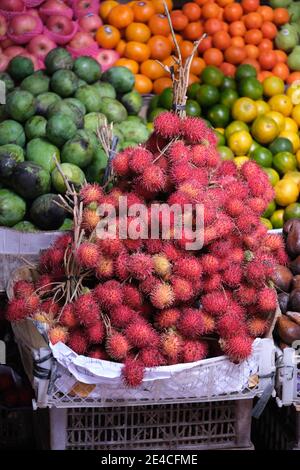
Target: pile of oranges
{"type": "Point", "coordinates": [236, 33]}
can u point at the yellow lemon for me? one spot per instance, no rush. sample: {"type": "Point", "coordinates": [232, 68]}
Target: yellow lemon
{"type": "Point", "coordinates": [296, 114]}
{"type": "Point", "coordinates": [276, 218]}
{"type": "Point", "coordinates": [294, 92]}
{"type": "Point", "coordinates": [293, 138]}
{"type": "Point", "coordinates": [266, 222]}
{"type": "Point", "coordinates": [240, 142]}
{"type": "Point", "coordinates": [262, 107]}
{"type": "Point", "coordinates": [278, 118]}
{"type": "Point", "coordinates": [293, 175]}
{"type": "Point", "coordinates": [264, 129]}
{"type": "Point", "coordinates": [290, 125]}
{"type": "Point", "coordinates": [239, 161]}
{"type": "Point", "coordinates": [244, 109]}
{"type": "Point", "coordinates": [286, 192]}
{"type": "Point", "coordinates": [281, 103]}
{"type": "Point", "coordinates": [273, 86]}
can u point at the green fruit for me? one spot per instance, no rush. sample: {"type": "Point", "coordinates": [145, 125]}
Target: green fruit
{"type": "Point", "coordinates": [138, 119]}
{"type": "Point", "coordinates": [251, 88]}
{"type": "Point", "coordinates": [225, 152]}
{"type": "Point", "coordinates": [30, 180]}
{"type": "Point", "coordinates": [284, 162]}
{"type": "Point", "coordinates": [12, 208]}
{"type": "Point", "coordinates": [3, 113]}
{"type": "Point", "coordinates": [25, 226]}
{"type": "Point", "coordinates": [61, 107]}
{"type": "Point", "coordinates": [207, 96]}
{"type": "Point", "coordinates": [220, 138]}
{"type": "Point", "coordinates": [211, 75]}
{"type": "Point", "coordinates": [8, 164]}
{"type": "Point", "coordinates": [64, 83]}
{"type": "Point", "coordinates": [235, 126]}
{"type": "Point", "coordinates": [192, 90]}
{"type": "Point", "coordinates": [287, 38]}
{"type": "Point", "coordinates": [229, 83]}
{"type": "Point", "coordinates": [11, 132]}
{"type": "Point", "coordinates": [35, 127]}
{"type": "Point", "coordinates": [192, 108]}
{"type": "Point", "coordinates": [20, 67]}
{"type": "Point", "coordinates": [281, 145]}
{"type": "Point", "coordinates": [255, 145]}
{"type": "Point", "coordinates": [272, 175]}
{"type": "Point", "coordinates": [67, 225]}
{"type": "Point", "coordinates": [72, 173]}
{"type": "Point", "coordinates": [36, 83]}
{"type": "Point", "coordinates": [166, 98]}
{"type": "Point", "coordinates": [153, 103]}
{"type": "Point", "coordinates": [88, 95]}
{"type": "Point", "coordinates": [81, 82]}
{"type": "Point", "coordinates": [8, 81]}
{"type": "Point", "coordinates": [124, 145]}
{"type": "Point", "coordinates": [219, 115]}
{"type": "Point", "coordinates": [12, 150]}
{"type": "Point", "coordinates": [95, 171]}
{"type": "Point", "coordinates": [269, 210]}
{"type": "Point", "coordinates": [92, 121]}
{"type": "Point", "coordinates": [44, 101]}
{"type": "Point", "coordinates": [134, 132]}
{"type": "Point", "coordinates": [155, 113]}
{"type": "Point", "coordinates": [87, 69]}
{"type": "Point", "coordinates": [262, 156]}
{"type": "Point", "coordinates": [78, 150]}
{"type": "Point", "coordinates": [20, 105]}
{"type": "Point", "coordinates": [292, 211]}
{"type": "Point", "coordinates": [59, 129]}
{"type": "Point", "coordinates": [57, 59]}
{"type": "Point", "coordinates": [245, 71]}
{"type": "Point", "coordinates": [43, 153]}
{"type": "Point", "coordinates": [228, 97]}
{"type": "Point", "coordinates": [78, 104]}
{"type": "Point", "coordinates": [132, 101]}
{"type": "Point", "coordinates": [46, 214]}
{"type": "Point", "coordinates": [105, 89]}
{"type": "Point", "coordinates": [113, 110]}
{"type": "Point", "coordinates": [121, 78]}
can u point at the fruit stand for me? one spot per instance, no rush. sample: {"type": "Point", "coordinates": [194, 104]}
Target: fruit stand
{"type": "Point", "coordinates": [152, 103]}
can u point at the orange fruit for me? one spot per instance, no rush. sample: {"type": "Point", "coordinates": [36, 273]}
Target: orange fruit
{"type": "Point", "coordinates": [161, 84]}
{"type": "Point", "coordinates": [235, 55]}
{"type": "Point", "coordinates": [143, 84]}
{"type": "Point", "coordinates": [160, 7]}
{"type": "Point", "coordinates": [179, 20]}
{"type": "Point", "coordinates": [121, 47]}
{"type": "Point", "coordinates": [269, 30]}
{"type": "Point", "coordinates": [179, 39]}
{"type": "Point", "coordinates": [213, 56]}
{"type": "Point", "coordinates": [250, 5]}
{"type": "Point", "coordinates": [197, 65]}
{"type": "Point", "coordinates": [186, 48]}
{"type": "Point", "coordinates": [281, 70]}
{"type": "Point", "coordinates": [293, 77]}
{"type": "Point", "coordinates": [267, 59]}
{"type": "Point", "coordinates": [266, 12]}
{"type": "Point", "coordinates": [253, 36]}
{"type": "Point", "coordinates": [281, 56]}
{"type": "Point", "coordinates": [221, 40]}
{"type": "Point", "coordinates": [152, 69]}
{"type": "Point", "coordinates": [252, 51]}
{"type": "Point", "coordinates": [137, 51]}
{"type": "Point", "coordinates": [237, 28]}
{"type": "Point", "coordinates": [142, 11]}
{"type": "Point", "coordinates": [253, 20]}
{"type": "Point", "coordinates": [192, 11]}
{"type": "Point", "coordinates": [237, 41]}
{"type": "Point", "coordinates": [108, 36]}
{"type": "Point", "coordinates": [137, 32]}
{"type": "Point", "coordinates": [160, 47]}
{"type": "Point", "coordinates": [228, 69]}
{"type": "Point", "coordinates": [212, 25]}
{"type": "Point", "coordinates": [280, 16]}
{"type": "Point", "coordinates": [210, 10]}
{"type": "Point", "coordinates": [120, 16]}
{"type": "Point", "coordinates": [106, 7]}
{"type": "Point", "coordinates": [159, 24]}
{"type": "Point", "coordinates": [193, 31]}
{"type": "Point", "coordinates": [233, 12]}
{"type": "Point", "coordinates": [193, 79]}
{"type": "Point", "coordinates": [130, 64]}
{"type": "Point", "coordinates": [265, 45]}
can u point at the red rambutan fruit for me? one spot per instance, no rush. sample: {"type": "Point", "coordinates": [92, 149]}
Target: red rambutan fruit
{"type": "Point", "coordinates": [140, 265]}
{"type": "Point", "coordinates": [153, 246]}
{"type": "Point", "coordinates": [23, 289]}
{"type": "Point", "coordinates": [146, 311]}
{"type": "Point", "coordinates": [87, 310]}
{"type": "Point", "coordinates": [162, 296]}
{"type": "Point", "coordinates": [178, 198]}
{"type": "Point", "coordinates": [194, 350]}
{"type": "Point", "coordinates": [68, 317]}
{"type": "Point", "coordinates": [50, 307]}
{"type": "Point", "coordinates": [140, 159]}
{"type": "Point", "coordinates": [88, 255]}
{"type": "Point", "coordinates": [96, 332]}
{"type": "Point", "coordinates": [121, 163]}
{"type": "Point", "coordinates": [188, 267]}
{"type": "Point", "coordinates": [238, 347]}
{"type": "Point", "coordinates": [32, 303]}
{"type": "Point", "coordinates": [91, 193]}
{"type": "Point", "coordinates": [192, 190]}
{"type": "Point", "coordinates": [141, 334]}
{"type": "Point", "coordinates": [16, 310]}
{"type": "Point", "coordinates": [267, 299]}
{"type": "Point", "coordinates": [44, 284]}
{"type": "Point", "coordinates": [234, 207]}
{"type": "Point", "coordinates": [58, 334]}
{"type": "Point", "coordinates": [178, 152]}
{"type": "Point", "coordinates": [182, 288]}
{"type": "Point", "coordinates": [133, 245]}
{"type": "Point", "coordinates": [221, 248]}
{"type": "Point", "coordinates": [257, 205]}
{"type": "Point", "coordinates": [201, 175]}
{"type": "Point", "coordinates": [233, 275]}
{"type": "Point", "coordinates": [229, 325]}
{"type": "Point", "coordinates": [211, 282]}
{"type": "Point", "coordinates": [152, 357]}
{"type": "Point", "coordinates": [257, 327]}
{"type": "Point", "coordinates": [153, 178]}
{"type": "Point", "coordinates": [255, 272]}
{"type": "Point", "coordinates": [90, 219]}
{"type": "Point", "coordinates": [50, 259]}
{"type": "Point", "coordinates": [194, 130]}
{"type": "Point", "coordinates": [167, 318]}
{"type": "Point", "coordinates": [246, 295]}
{"type": "Point", "coordinates": [110, 246]}
{"type": "Point", "coordinates": [77, 341]}
{"type": "Point", "coordinates": [171, 346]}
{"type": "Point", "coordinates": [162, 266]}
{"type": "Point", "coordinates": [191, 324]}
{"type": "Point", "coordinates": [236, 189]}
{"type": "Point", "coordinates": [210, 264]}
{"type": "Point", "coordinates": [117, 346]}
{"type": "Point", "coordinates": [215, 302]}
{"type": "Point", "coordinates": [132, 296]}
{"type": "Point", "coordinates": [133, 372]}
{"type": "Point", "coordinates": [122, 316]}
{"type": "Point", "coordinates": [180, 172]}
{"type": "Point", "coordinates": [142, 191]}
{"type": "Point", "coordinates": [209, 323]}
{"type": "Point", "coordinates": [268, 195]}
{"type": "Point", "coordinates": [247, 223]}
{"type": "Point", "coordinates": [120, 266]}
{"type": "Point", "coordinates": [171, 252]}
{"type": "Point", "coordinates": [167, 124]}
{"type": "Point", "coordinates": [63, 241]}
{"type": "Point", "coordinates": [281, 256]}
{"type": "Point", "coordinates": [236, 255]}
{"type": "Point", "coordinates": [109, 294]}
{"type": "Point", "coordinates": [148, 284]}
{"type": "Point", "coordinates": [274, 242]}
{"type": "Point", "coordinates": [98, 352]}
{"type": "Point", "coordinates": [250, 170]}
{"type": "Point", "coordinates": [105, 267]}
{"type": "Point", "coordinates": [227, 168]}
{"type": "Point", "coordinates": [224, 225]}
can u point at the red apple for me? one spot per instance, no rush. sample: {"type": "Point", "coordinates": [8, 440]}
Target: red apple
{"type": "Point", "coordinates": [106, 58]}
{"type": "Point", "coordinates": [13, 51]}
{"type": "Point", "coordinates": [4, 61]}
{"type": "Point", "coordinates": [90, 23]}
{"type": "Point", "coordinates": [33, 12]}
{"type": "Point", "coordinates": [40, 46]}
{"type": "Point", "coordinates": [22, 24]}
{"type": "Point", "coordinates": [82, 7]}
{"type": "Point", "coordinates": [81, 40]}
{"type": "Point", "coordinates": [12, 5]}
{"type": "Point", "coordinates": [60, 24]}
{"type": "Point", "coordinates": [58, 6]}
{"type": "Point", "coordinates": [6, 43]}
{"type": "Point", "coordinates": [3, 26]}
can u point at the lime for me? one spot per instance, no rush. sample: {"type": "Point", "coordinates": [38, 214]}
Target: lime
{"type": "Point", "coordinates": [276, 218]}
{"type": "Point", "coordinates": [245, 71]}
{"type": "Point", "coordinates": [192, 90]}
{"type": "Point", "coordinates": [255, 145]}
{"type": "Point", "coordinates": [225, 152]}
{"type": "Point", "coordinates": [292, 211]}
{"type": "Point", "coordinates": [166, 99]}
{"type": "Point", "coordinates": [266, 222]}
{"type": "Point", "coordinates": [229, 83]}
{"type": "Point", "coordinates": [262, 156]}
{"type": "Point", "coordinates": [251, 88]}
{"type": "Point", "coordinates": [284, 162]}
{"type": "Point", "coordinates": [235, 126]}
{"type": "Point", "coordinates": [192, 108]}
{"type": "Point", "coordinates": [281, 144]}
{"type": "Point", "coordinates": [207, 95]}
{"type": "Point", "coordinates": [220, 137]}
{"type": "Point", "coordinates": [155, 113]}
{"type": "Point", "coordinates": [211, 75]}
{"type": "Point", "coordinates": [272, 175]}
{"type": "Point", "coordinates": [219, 115]}
{"type": "Point", "coordinates": [269, 210]}
{"type": "Point", "coordinates": [228, 97]}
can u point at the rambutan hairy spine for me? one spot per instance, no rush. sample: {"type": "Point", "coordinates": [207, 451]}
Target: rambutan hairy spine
{"type": "Point", "coordinates": [194, 350]}
{"type": "Point", "coordinates": [133, 372]}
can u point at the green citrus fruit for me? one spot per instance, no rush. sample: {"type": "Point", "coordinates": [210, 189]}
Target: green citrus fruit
{"type": "Point", "coordinates": [211, 75]}
{"type": "Point", "coordinates": [284, 162]}
{"type": "Point", "coordinates": [292, 211]}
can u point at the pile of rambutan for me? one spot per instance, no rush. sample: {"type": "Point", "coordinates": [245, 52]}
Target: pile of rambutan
{"type": "Point", "coordinates": [153, 302]}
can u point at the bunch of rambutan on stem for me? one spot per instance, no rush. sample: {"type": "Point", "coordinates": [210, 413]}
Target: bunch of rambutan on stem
{"type": "Point", "coordinates": [152, 302]}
